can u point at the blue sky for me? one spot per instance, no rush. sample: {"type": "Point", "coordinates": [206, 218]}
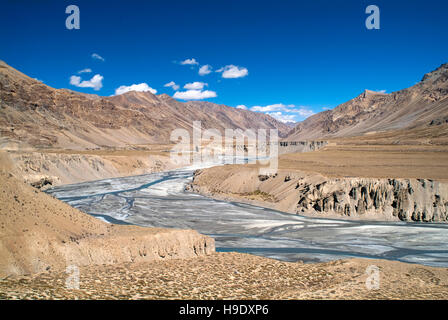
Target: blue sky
{"type": "Point", "coordinates": [286, 58]}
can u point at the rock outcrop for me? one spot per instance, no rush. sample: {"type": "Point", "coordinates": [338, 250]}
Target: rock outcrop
{"type": "Point", "coordinates": [406, 199]}
{"type": "Point", "coordinates": [300, 146]}
{"type": "Point", "coordinates": [420, 200]}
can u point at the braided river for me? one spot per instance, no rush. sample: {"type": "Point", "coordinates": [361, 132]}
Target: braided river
{"type": "Point", "coordinates": [159, 200]}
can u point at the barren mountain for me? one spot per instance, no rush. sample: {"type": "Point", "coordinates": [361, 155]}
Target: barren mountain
{"type": "Point", "coordinates": [424, 105]}
{"type": "Point", "coordinates": [37, 115]}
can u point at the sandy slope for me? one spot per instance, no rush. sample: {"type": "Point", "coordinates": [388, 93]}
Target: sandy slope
{"type": "Point", "coordinates": [38, 233]}
{"type": "Point", "coordinates": [70, 166]}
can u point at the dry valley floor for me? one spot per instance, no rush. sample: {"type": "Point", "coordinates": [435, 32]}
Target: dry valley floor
{"type": "Point", "coordinates": [234, 276]}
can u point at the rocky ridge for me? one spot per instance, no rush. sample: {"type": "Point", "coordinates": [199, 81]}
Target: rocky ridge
{"type": "Point", "coordinates": [420, 106]}
{"type": "Point", "coordinates": [35, 115]}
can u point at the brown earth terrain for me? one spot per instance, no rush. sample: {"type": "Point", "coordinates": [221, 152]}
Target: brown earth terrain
{"type": "Point", "coordinates": [372, 161]}
{"type": "Point", "coordinates": [39, 232]}
{"type": "Point", "coordinates": [386, 159]}
{"type": "Point", "coordinates": [372, 182]}
{"type": "Point", "coordinates": [59, 136]}
{"type": "Point", "coordinates": [41, 237]}
{"type": "Point", "coordinates": [236, 276]}
{"type": "Point", "coordinates": [55, 166]}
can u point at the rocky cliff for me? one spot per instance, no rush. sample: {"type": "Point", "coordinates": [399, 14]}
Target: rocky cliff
{"type": "Point", "coordinates": [313, 194]}
{"type": "Point", "coordinates": [300, 146]}
{"type": "Point", "coordinates": [405, 199]}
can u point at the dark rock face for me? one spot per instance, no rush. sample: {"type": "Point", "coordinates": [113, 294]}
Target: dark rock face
{"type": "Point", "coordinates": [407, 199]}
{"type": "Point", "coordinates": [42, 183]}
{"type": "Point", "coordinates": [300, 146]}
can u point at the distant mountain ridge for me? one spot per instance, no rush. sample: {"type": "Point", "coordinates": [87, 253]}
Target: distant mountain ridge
{"type": "Point", "coordinates": [37, 115]}
{"type": "Point", "coordinates": [422, 105]}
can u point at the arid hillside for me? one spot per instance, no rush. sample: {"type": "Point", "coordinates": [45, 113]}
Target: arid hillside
{"type": "Point", "coordinates": [236, 276]}
{"type": "Point", "coordinates": [56, 166]}
{"type": "Point", "coordinates": [423, 106]}
{"type": "Point", "coordinates": [39, 233]}
{"type": "Point", "coordinates": [35, 115]}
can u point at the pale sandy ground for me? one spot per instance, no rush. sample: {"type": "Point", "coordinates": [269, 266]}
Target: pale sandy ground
{"type": "Point", "coordinates": [235, 276]}
{"type": "Point", "coordinates": [340, 159]}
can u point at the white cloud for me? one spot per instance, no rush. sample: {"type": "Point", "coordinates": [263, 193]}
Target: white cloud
{"type": "Point", "coordinates": [195, 85]}
{"type": "Point", "coordinates": [241, 106]}
{"type": "Point", "coordinates": [282, 117]}
{"type": "Point", "coordinates": [194, 94]}
{"type": "Point", "coordinates": [204, 70]}
{"type": "Point", "coordinates": [272, 107]}
{"type": "Point", "coordinates": [96, 82]}
{"type": "Point", "coordinates": [232, 72]}
{"type": "Point", "coordinates": [86, 70]}
{"type": "Point", "coordinates": [142, 87]}
{"type": "Point", "coordinates": [303, 112]}
{"type": "Point", "coordinates": [173, 85]}
{"type": "Point", "coordinates": [97, 57]}
{"type": "Point", "coordinates": [189, 61]}
{"type": "Point", "coordinates": [285, 113]}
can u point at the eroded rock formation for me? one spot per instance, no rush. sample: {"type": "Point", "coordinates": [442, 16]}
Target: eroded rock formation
{"type": "Point", "coordinates": [422, 200]}
{"type": "Point", "coordinates": [406, 199]}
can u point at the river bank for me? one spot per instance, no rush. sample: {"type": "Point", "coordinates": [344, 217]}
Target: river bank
{"type": "Point", "coordinates": [382, 183]}
{"type": "Point", "coordinates": [126, 272]}
{"type": "Point", "coordinates": [40, 233]}
{"type": "Point", "coordinates": [159, 200]}
{"type": "Point", "coordinates": [44, 168]}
